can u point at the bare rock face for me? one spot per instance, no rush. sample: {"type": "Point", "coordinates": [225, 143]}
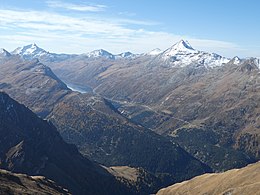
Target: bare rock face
{"type": "Point", "coordinates": [12, 183]}
{"type": "Point", "coordinates": [237, 181]}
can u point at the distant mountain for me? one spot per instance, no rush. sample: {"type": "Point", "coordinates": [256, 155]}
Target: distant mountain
{"type": "Point", "coordinates": [4, 53]}
{"type": "Point", "coordinates": [182, 54]}
{"type": "Point", "coordinates": [100, 53]}
{"type": "Point", "coordinates": [105, 54]}
{"type": "Point", "coordinates": [12, 183]}
{"type": "Point", "coordinates": [155, 52]}
{"type": "Point", "coordinates": [33, 51]}
{"type": "Point", "coordinates": [127, 55]}
{"type": "Point", "coordinates": [237, 181]}
{"type": "Point", "coordinates": [236, 60]}
{"type": "Point", "coordinates": [30, 51]}
{"type": "Point", "coordinates": [33, 146]}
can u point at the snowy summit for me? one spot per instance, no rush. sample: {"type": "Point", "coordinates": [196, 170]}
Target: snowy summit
{"type": "Point", "coordinates": [4, 53]}
{"type": "Point", "coordinates": [30, 51]}
{"type": "Point", "coordinates": [183, 54]}
{"type": "Point", "coordinates": [100, 53]}
{"type": "Point", "coordinates": [154, 52]}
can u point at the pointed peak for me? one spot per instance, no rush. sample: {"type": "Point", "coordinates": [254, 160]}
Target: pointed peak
{"type": "Point", "coordinates": [4, 52]}
{"type": "Point", "coordinates": [182, 46]}
{"type": "Point", "coordinates": [235, 60]}
{"type": "Point", "coordinates": [34, 45]}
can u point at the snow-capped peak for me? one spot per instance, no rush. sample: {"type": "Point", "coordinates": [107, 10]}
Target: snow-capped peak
{"type": "Point", "coordinates": [182, 46]}
{"type": "Point", "coordinates": [236, 60]}
{"type": "Point", "coordinates": [100, 53]}
{"type": "Point", "coordinates": [3, 52]}
{"type": "Point", "coordinates": [30, 51]}
{"type": "Point", "coordinates": [155, 52]}
{"type": "Point", "coordinates": [127, 55]}
{"type": "Point", "coordinates": [182, 54]}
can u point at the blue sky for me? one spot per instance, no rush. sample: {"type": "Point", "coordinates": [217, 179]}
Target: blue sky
{"type": "Point", "coordinates": [227, 27]}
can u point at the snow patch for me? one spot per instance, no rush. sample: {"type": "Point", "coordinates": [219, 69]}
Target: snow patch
{"type": "Point", "coordinates": [154, 52]}
{"type": "Point", "coordinates": [100, 53]}
{"type": "Point", "coordinates": [257, 62]}
{"type": "Point", "coordinates": [127, 55]}
{"type": "Point", "coordinates": [236, 60]}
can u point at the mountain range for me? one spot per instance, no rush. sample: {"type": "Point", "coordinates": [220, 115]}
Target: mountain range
{"type": "Point", "coordinates": [179, 54]}
{"type": "Point", "coordinates": [91, 122]}
{"type": "Point", "coordinates": [174, 114]}
{"type": "Point", "coordinates": [175, 91]}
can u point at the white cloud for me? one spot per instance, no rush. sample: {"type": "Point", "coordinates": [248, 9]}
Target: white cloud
{"type": "Point", "coordinates": [70, 34]}
{"type": "Point", "coordinates": [76, 7]}
{"type": "Point", "coordinates": [126, 13]}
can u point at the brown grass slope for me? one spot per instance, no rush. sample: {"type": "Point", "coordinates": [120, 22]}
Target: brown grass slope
{"type": "Point", "coordinates": [15, 184]}
{"type": "Point", "coordinates": [236, 182]}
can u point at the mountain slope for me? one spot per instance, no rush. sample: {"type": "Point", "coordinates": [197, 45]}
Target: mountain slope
{"type": "Point", "coordinates": [95, 126]}
{"type": "Point", "coordinates": [32, 83]}
{"type": "Point", "coordinates": [144, 182]}
{"type": "Point", "coordinates": [176, 94]}
{"type": "Point", "coordinates": [107, 137]}
{"type": "Point", "coordinates": [237, 181]}
{"type": "Point", "coordinates": [12, 183]}
{"type": "Point", "coordinates": [33, 146]}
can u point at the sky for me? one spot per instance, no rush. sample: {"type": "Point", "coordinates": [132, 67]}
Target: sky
{"type": "Point", "coordinates": [227, 27]}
